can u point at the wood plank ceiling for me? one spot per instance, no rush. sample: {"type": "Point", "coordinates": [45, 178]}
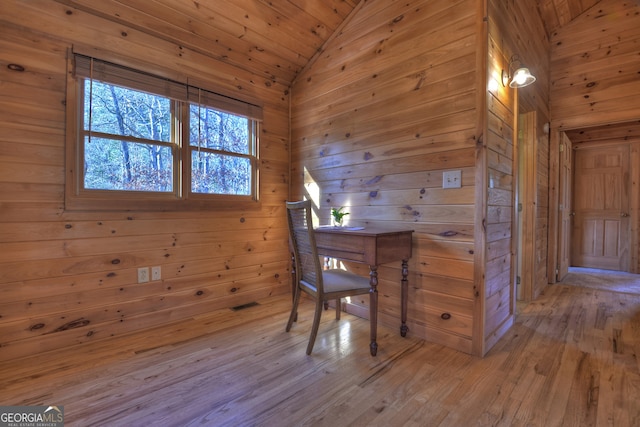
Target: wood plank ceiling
{"type": "Point", "coordinates": [272, 39]}
{"type": "Point", "coordinates": [558, 13]}
{"type": "Point", "coordinates": [617, 132]}
{"type": "Point", "coordinates": [276, 40]}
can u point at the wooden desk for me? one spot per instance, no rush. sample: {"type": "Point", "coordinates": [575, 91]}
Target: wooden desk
{"type": "Point", "coordinates": [373, 246]}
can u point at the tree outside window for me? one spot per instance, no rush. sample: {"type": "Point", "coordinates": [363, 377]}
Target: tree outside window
{"type": "Point", "coordinates": [137, 133]}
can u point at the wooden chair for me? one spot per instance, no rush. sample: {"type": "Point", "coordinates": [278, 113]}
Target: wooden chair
{"type": "Point", "coordinates": [321, 285]}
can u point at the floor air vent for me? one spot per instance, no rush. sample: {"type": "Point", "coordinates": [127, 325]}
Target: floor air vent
{"type": "Point", "coordinates": [243, 306]}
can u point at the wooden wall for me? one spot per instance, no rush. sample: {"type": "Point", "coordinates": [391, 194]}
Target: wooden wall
{"type": "Point", "coordinates": [402, 94]}
{"type": "Point", "coordinates": [386, 108]}
{"type": "Point", "coordinates": [595, 89]}
{"type": "Point", "coordinates": [515, 28]}
{"type": "Point", "coordinates": [595, 63]}
{"type": "Point", "coordinates": [70, 277]}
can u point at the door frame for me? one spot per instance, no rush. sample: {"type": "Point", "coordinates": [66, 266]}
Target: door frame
{"type": "Point", "coordinates": [565, 213]}
{"type": "Point", "coordinates": [525, 206]}
{"type": "Point", "coordinates": [555, 181]}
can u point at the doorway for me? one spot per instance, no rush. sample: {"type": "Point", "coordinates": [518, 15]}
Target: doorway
{"type": "Point", "coordinates": [593, 218]}
{"type": "Point", "coordinates": [610, 156]}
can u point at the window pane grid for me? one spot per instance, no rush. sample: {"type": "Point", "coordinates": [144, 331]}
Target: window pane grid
{"type": "Point", "coordinates": [118, 110]}
{"type": "Point", "coordinates": [112, 164]}
{"type": "Point", "coordinates": [90, 134]}
{"type": "Point", "coordinates": [220, 174]}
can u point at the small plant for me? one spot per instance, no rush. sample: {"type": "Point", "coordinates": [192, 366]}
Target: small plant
{"type": "Point", "coordinates": [338, 215]}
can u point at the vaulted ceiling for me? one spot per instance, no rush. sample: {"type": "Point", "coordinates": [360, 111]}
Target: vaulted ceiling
{"type": "Point", "coordinates": [558, 13]}
{"type": "Point", "coordinates": [275, 39]}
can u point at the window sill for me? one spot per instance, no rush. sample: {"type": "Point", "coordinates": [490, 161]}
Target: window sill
{"type": "Point", "coordinates": [154, 205]}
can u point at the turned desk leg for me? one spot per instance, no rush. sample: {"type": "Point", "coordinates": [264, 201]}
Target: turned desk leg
{"type": "Point", "coordinates": [373, 308]}
{"type": "Point", "coordinates": [404, 290]}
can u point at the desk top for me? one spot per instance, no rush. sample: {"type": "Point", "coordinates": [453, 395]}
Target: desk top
{"type": "Point", "coordinates": [370, 245]}
{"type": "Point", "coordinates": [363, 231]}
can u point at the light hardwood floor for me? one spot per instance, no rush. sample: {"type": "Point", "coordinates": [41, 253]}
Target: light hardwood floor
{"type": "Point", "coordinates": [617, 281]}
{"type": "Point", "coordinates": [570, 360]}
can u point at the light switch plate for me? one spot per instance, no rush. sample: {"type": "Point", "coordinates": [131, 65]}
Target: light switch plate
{"type": "Point", "coordinates": [452, 179]}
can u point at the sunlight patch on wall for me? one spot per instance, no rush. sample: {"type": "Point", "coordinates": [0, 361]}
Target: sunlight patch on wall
{"type": "Point", "coordinates": [312, 192]}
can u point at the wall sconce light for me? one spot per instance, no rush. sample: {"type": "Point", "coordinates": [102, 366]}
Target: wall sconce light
{"type": "Point", "coordinates": [521, 77]}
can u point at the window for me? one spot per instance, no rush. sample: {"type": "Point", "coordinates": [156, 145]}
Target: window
{"type": "Point", "coordinates": [139, 141]}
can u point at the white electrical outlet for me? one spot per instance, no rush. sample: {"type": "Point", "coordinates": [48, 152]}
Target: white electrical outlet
{"type": "Point", "coordinates": [143, 274]}
{"type": "Point", "coordinates": [452, 179]}
{"type": "Point", "coordinates": [156, 273]}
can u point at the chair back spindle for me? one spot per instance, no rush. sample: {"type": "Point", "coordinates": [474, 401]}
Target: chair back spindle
{"type": "Point", "coordinates": [308, 268]}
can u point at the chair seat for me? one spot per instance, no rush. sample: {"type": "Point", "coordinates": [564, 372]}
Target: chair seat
{"type": "Point", "coordinates": [336, 280]}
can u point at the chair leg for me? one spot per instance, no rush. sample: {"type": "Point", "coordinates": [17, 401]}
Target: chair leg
{"type": "Point", "coordinates": [316, 324]}
{"type": "Point", "coordinates": [338, 308]}
{"type": "Point", "coordinates": [294, 309]}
